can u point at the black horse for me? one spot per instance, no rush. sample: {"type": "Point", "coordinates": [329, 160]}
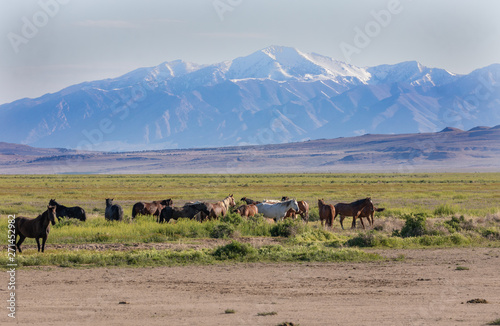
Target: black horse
{"type": "Point", "coordinates": [34, 227]}
{"type": "Point", "coordinates": [188, 210]}
{"type": "Point", "coordinates": [70, 212]}
{"type": "Point", "coordinates": [113, 212]}
{"type": "Point", "coordinates": [249, 201]}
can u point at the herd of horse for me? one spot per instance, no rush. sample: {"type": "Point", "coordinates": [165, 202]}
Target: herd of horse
{"type": "Point", "coordinates": [272, 210]}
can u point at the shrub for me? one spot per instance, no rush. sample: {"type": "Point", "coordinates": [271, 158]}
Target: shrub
{"type": "Point", "coordinates": [414, 226]}
{"type": "Point", "coordinates": [67, 221]}
{"type": "Point", "coordinates": [362, 240]}
{"type": "Point", "coordinates": [222, 230]}
{"type": "Point", "coordinates": [234, 250]}
{"type": "Point", "coordinates": [287, 228]}
{"type": "Point", "coordinates": [232, 218]}
{"type": "Point", "coordinates": [444, 210]}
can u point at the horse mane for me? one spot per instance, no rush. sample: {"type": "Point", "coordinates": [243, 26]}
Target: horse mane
{"type": "Point", "coordinates": [359, 202]}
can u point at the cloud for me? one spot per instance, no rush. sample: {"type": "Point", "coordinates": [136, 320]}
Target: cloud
{"type": "Point", "coordinates": [107, 24]}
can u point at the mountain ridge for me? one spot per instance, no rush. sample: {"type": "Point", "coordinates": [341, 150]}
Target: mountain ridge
{"type": "Point", "coordinates": [450, 150]}
{"type": "Point", "coordinates": [274, 95]}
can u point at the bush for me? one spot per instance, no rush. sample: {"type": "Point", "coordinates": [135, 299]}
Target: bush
{"type": "Point", "coordinates": [232, 218]}
{"type": "Point", "coordinates": [414, 226]}
{"type": "Point", "coordinates": [287, 228]}
{"type": "Point", "coordinates": [222, 230]}
{"type": "Point", "coordinates": [234, 250]}
{"type": "Point", "coordinates": [363, 240]}
{"type": "Point", "coordinates": [444, 210]}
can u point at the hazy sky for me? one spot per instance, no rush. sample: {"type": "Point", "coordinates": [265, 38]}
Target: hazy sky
{"type": "Point", "coordinates": [47, 45]}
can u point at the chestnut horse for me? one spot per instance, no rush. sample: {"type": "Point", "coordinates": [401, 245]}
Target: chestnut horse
{"type": "Point", "coordinates": [368, 211]}
{"type": "Point", "coordinates": [326, 213]}
{"type": "Point", "coordinates": [154, 208]}
{"type": "Point", "coordinates": [37, 228]}
{"type": "Point", "coordinates": [353, 209]}
{"type": "Point", "coordinates": [221, 207]}
{"type": "Point", "coordinates": [247, 210]}
{"type": "Point", "coordinates": [303, 209]}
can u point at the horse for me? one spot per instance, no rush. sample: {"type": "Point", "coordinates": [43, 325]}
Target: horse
{"type": "Point", "coordinates": [154, 208]}
{"type": "Point", "coordinates": [326, 213]}
{"type": "Point", "coordinates": [249, 201]}
{"type": "Point", "coordinates": [303, 208]}
{"type": "Point", "coordinates": [189, 210]}
{"type": "Point", "coordinates": [278, 210]}
{"type": "Point", "coordinates": [221, 207]}
{"type": "Point", "coordinates": [71, 212]}
{"type": "Point", "coordinates": [352, 209]}
{"type": "Point", "coordinates": [113, 212]}
{"type": "Point", "coordinates": [247, 210]}
{"type": "Point", "coordinates": [290, 214]}
{"type": "Point", "coordinates": [368, 211]}
{"type": "Point", "coordinates": [37, 228]}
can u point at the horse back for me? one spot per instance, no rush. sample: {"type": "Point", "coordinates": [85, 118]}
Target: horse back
{"type": "Point", "coordinates": [28, 227]}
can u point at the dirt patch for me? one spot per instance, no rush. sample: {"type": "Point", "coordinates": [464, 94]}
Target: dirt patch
{"type": "Point", "coordinates": [422, 289]}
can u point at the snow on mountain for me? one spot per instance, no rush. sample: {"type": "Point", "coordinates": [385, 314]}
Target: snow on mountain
{"type": "Point", "coordinates": [275, 95]}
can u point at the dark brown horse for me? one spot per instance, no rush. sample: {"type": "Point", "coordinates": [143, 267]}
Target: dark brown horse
{"type": "Point", "coordinates": [113, 212]}
{"type": "Point", "coordinates": [369, 213]}
{"type": "Point", "coordinates": [70, 212]}
{"type": "Point", "coordinates": [247, 210]}
{"type": "Point", "coordinates": [353, 209]}
{"type": "Point", "coordinates": [37, 228]}
{"type": "Point", "coordinates": [221, 207]}
{"type": "Point", "coordinates": [249, 201]}
{"type": "Point", "coordinates": [326, 213]}
{"type": "Point", "coordinates": [154, 208]}
{"type": "Point", "coordinates": [190, 210]}
{"type": "Point", "coordinates": [290, 214]}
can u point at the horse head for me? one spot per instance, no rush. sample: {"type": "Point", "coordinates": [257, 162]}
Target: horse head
{"type": "Point", "coordinates": [167, 202]}
{"type": "Point", "coordinates": [109, 201]}
{"type": "Point", "coordinates": [284, 198]}
{"type": "Point", "coordinates": [294, 205]}
{"type": "Point", "coordinates": [231, 200]}
{"type": "Point", "coordinates": [51, 211]}
{"type": "Point", "coordinates": [53, 202]}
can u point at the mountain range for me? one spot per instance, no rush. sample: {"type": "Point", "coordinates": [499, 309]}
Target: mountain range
{"type": "Point", "coordinates": [275, 95]}
{"type": "Point", "coordinates": [450, 150]}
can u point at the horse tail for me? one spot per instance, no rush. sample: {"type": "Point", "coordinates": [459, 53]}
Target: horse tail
{"type": "Point", "coordinates": [83, 216]}
{"type": "Point", "coordinates": [133, 212]}
{"type": "Point", "coordinates": [120, 213]}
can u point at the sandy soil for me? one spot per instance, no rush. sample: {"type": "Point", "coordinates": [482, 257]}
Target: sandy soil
{"type": "Point", "coordinates": [423, 289]}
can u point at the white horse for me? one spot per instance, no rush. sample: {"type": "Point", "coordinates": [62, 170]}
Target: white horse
{"type": "Point", "coordinates": [278, 210]}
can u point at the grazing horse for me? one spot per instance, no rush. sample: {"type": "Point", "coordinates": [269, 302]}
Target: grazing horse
{"type": "Point", "coordinates": [303, 208]}
{"type": "Point", "coordinates": [190, 210]}
{"type": "Point", "coordinates": [278, 210]}
{"type": "Point", "coordinates": [71, 212]}
{"type": "Point", "coordinates": [352, 209]}
{"type": "Point", "coordinates": [247, 210]}
{"type": "Point", "coordinates": [113, 212]}
{"type": "Point", "coordinates": [154, 208]}
{"type": "Point", "coordinates": [291, 214]}
{"type": "Point", "coordinates": [221, 207]}
{"type": "Point", "coordinates": [249, 201]}
{"type": "Point", "coordinates": [326, 213]}
{"type": "Point", "coordinates": [368, 211]}
{"type": "Point", "coordinates": [37, 228]}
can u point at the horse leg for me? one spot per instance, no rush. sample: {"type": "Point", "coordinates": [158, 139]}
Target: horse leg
{"type": "Point", "coordinates": [342, 221]}
{"type": "Point", "coordinates": [18, 244]}
{"type": "Point", "coordinates": [38, 243]}
{"type": "Point", "coordinates": [353, 224]}
{"type": "Point", "coordinates": [43, 243]}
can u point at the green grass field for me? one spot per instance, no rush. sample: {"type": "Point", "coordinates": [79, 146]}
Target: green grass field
{"type": "Point", "coordinates": [452, 209]}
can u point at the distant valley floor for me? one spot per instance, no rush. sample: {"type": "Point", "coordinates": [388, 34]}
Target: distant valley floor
{"type": "Point", "coordinates": [451, 150]}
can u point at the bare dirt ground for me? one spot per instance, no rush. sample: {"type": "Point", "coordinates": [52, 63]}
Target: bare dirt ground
{"type": "Point", "coordinates": [423, 289]}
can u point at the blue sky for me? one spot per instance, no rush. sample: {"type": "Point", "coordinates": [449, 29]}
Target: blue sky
{"type": "Point", "coordinates": [47, 45]}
